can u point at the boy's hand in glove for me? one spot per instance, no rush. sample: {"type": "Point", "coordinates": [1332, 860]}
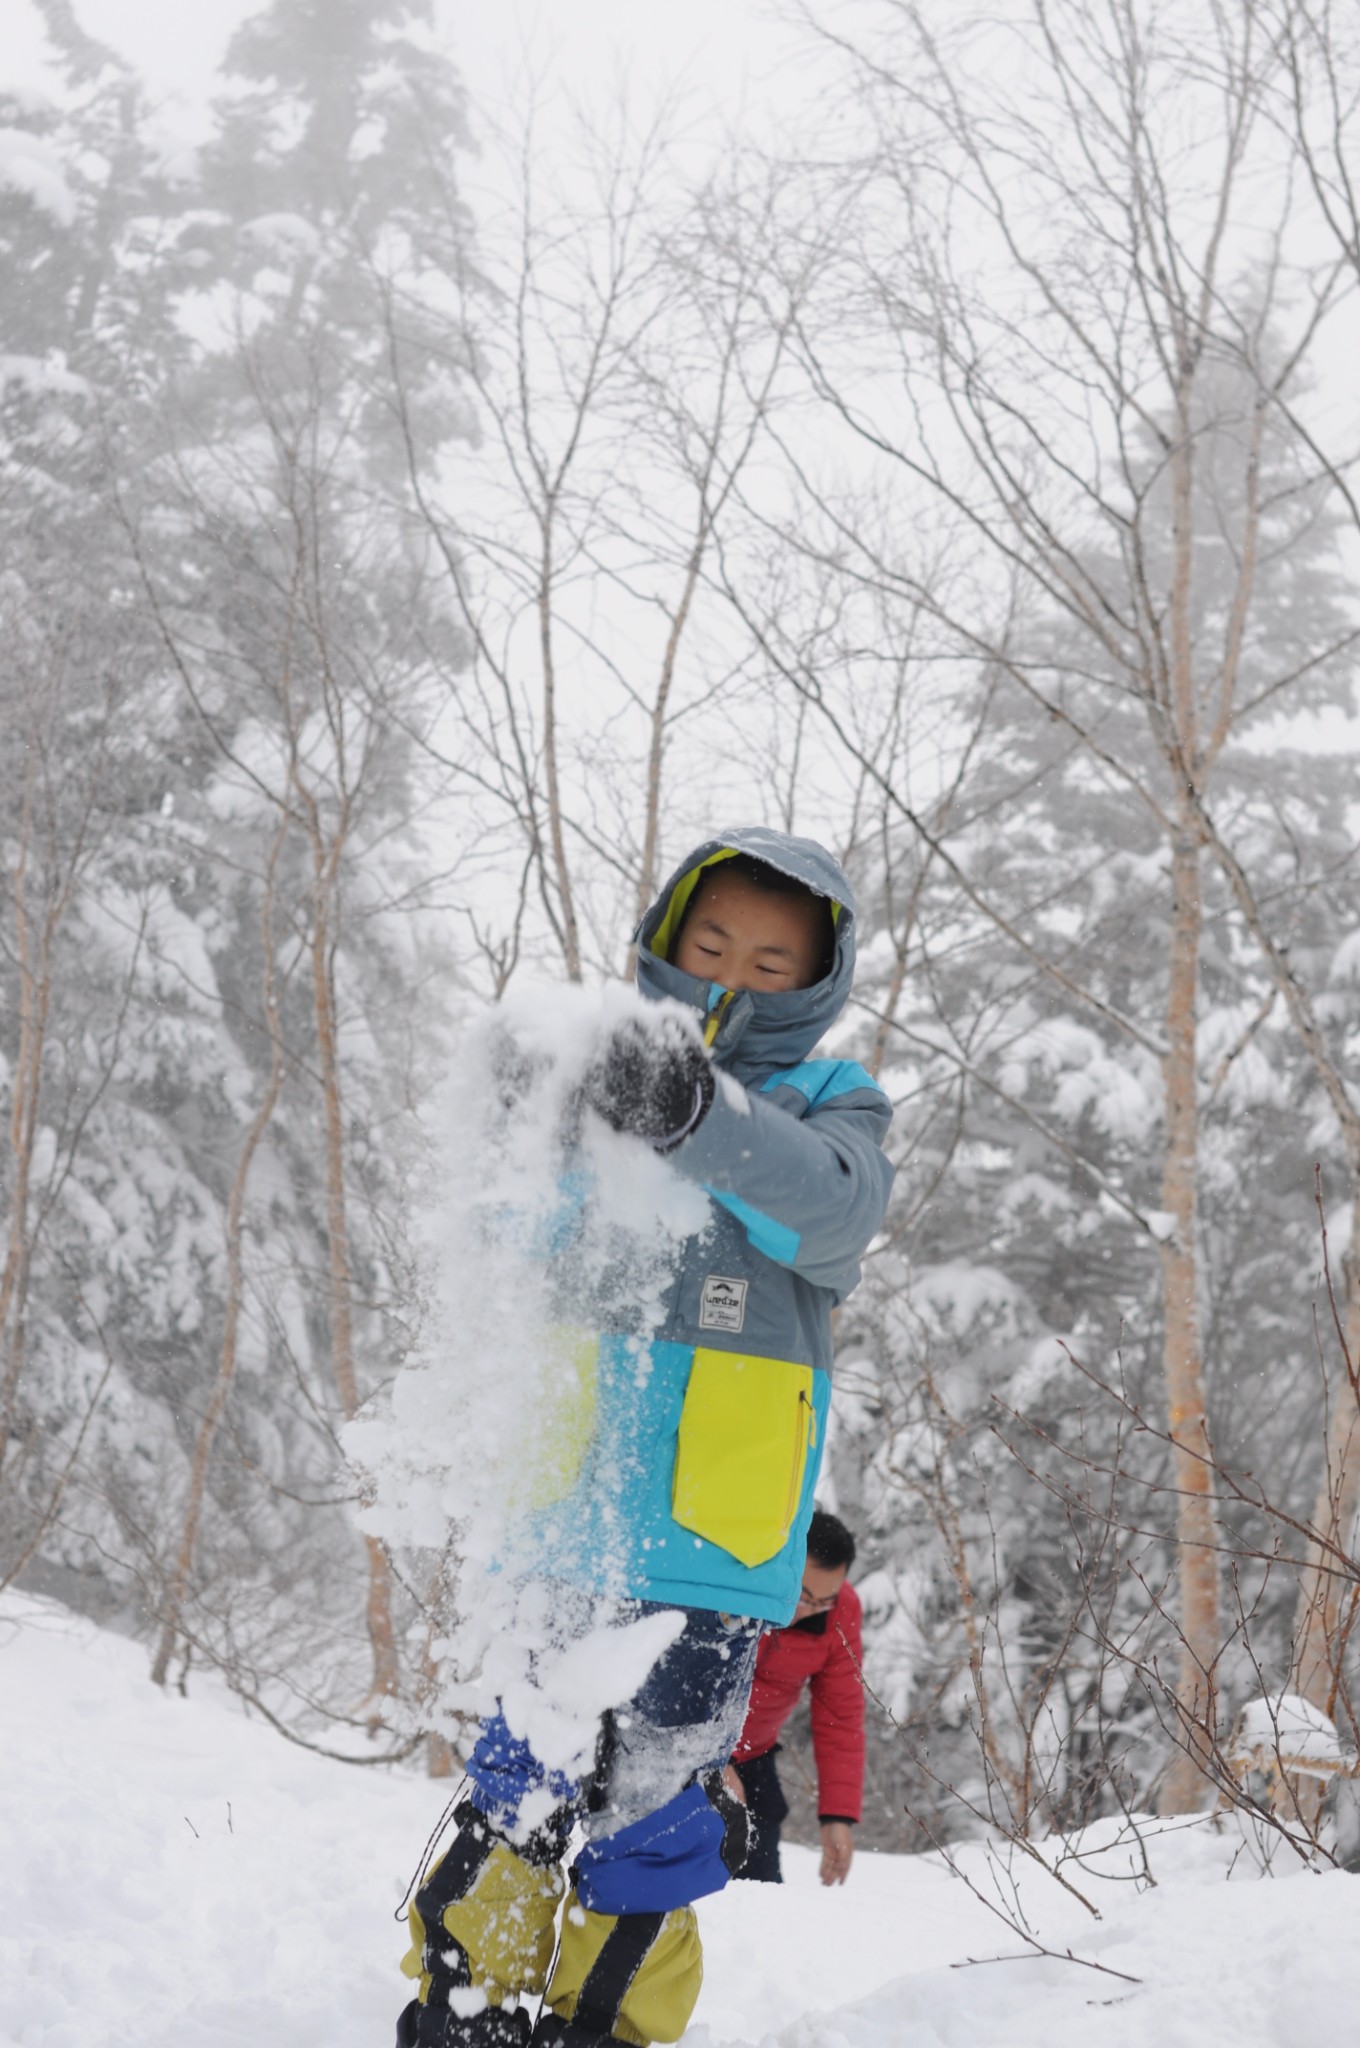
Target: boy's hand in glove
{"type": "Point", "coordinates": [656, 1085]}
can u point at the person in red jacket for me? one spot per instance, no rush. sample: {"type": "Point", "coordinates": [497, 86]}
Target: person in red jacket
{"type": "Point", "coordinates": [819, 1649]}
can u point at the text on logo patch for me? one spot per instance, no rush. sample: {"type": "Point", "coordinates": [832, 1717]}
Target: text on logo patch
{"type": "Point", "coordinates": [723, 1306]}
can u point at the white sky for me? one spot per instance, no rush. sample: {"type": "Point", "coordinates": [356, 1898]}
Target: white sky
{"type": "Point", "coordinates": [727, 52]}
{"type": "Point", "coordinates": [731, 57]}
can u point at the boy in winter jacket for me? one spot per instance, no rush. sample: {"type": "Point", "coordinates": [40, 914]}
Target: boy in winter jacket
{"type": "Point", "coordinates": [694, 1489]}
{"type": "Point", "coordinates": [818, 1652]}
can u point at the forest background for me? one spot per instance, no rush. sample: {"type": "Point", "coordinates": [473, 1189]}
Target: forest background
{"type": "Point", "coordinates": [418, 529]}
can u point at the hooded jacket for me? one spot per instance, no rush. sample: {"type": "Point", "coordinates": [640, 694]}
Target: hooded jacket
{"type": "Point", "coordinates": [697, 1484]}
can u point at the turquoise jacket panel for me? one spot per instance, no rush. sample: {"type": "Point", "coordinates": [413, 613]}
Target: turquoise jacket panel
{"type": "Point", "coordinates": [616, 1530]}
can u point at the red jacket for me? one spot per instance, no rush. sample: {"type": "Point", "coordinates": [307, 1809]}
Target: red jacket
{"type": "Point", "coordinates": [829, 1661]}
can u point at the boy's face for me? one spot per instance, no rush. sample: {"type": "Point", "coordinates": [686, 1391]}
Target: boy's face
{"type": "Point", "coordinates": [744, 937]}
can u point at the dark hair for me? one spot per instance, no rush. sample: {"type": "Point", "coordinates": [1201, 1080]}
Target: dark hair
{"type": "Point", "coordinates": [761, 875]}
{"type": "Point", "coordinates": [829, 1542]}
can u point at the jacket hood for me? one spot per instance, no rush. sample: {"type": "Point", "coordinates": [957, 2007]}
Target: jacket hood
{"type": "Point", "coordinates": [755, 1030]}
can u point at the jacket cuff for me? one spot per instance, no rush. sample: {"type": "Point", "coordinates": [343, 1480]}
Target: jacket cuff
{"type": "Point", "coordinates": [721, 1133]}
{"type": "Point", "coordinates": [699, 1107]}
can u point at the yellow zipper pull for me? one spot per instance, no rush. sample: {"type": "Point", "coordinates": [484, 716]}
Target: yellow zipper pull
{"type": "Point", "coordinates": [715, 1017]}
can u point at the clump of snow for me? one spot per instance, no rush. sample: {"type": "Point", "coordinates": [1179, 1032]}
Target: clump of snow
{"type": "Point", "coordinates": [960, 1296]}
{"type": "Point", "coordinates": [1345, 965]}
{"type": "Point", "coordinates": [897, 1652]}
{"type": "Point", "coordinates": [1227, 1033]}
{"type": "Point", "coordinates": [177, 158]}
{"type": "Point", "coordinates": [1123, 1096]}
{"type": "Point", "coordinates": [1046, 1360]}
{"type": "Point", "coordinates": [31, 166]}
{"type": "Point", "coordinates": [1289, 1729]}
{"type": "Point", "coordinates": [554, 1685]}
{"type": "Point", "coordinates": [1038, 1189]}
{"type": "Point", "coordinates": [286, 235]}
{"type": "Point", "coordinates": [26, 98]}
{"type": "Point", "coordinates": [41, 374]}
{"type": "Point", "coordinates": [544, 1228]}
{"type": "Point", "coordinates": [1339, 1222]}
{"type": "Point", "coordinates": [1282, 1740]}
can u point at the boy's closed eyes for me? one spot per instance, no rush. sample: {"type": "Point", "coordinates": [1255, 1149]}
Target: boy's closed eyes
{"type": "Point", "coordinates": [744, 937]}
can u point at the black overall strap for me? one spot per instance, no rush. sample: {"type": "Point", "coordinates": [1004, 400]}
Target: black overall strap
{"type": "Point", "coordinates": [622, 1955]}
{"type": "Point", "coordinates": [453, 1878]}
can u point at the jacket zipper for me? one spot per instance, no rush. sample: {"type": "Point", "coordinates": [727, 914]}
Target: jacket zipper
{"type": "Point", "coordinates": [804, 1439]}
{"type": "Point", "coordinates": [713, 1022]}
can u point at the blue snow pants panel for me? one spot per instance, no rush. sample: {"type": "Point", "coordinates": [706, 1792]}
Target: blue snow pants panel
{"type": "Point", "coordinates": [669, 1859]}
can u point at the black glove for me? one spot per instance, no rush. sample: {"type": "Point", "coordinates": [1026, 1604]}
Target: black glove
{"type": "Point", "coordinates": [654, 1085]}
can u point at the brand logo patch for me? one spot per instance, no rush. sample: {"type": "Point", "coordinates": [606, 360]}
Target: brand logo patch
{"type": "Point", "coordinates": [723, 1306]}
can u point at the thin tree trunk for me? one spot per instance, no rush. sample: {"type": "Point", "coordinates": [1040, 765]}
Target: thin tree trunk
{"type": "Point", "coordinates": [381, 1634]}
{"type": "Point", "coordinates": [438, 1749]}
{"type": "Point", "coordinates": [651, 830]}
{"type": "Point", "coordinates": [35, 953]}
{"type": "Point", "coordinates": [1326, 1591]}
{"type": "Point", "coordinates": [902, 934]}
{"type": "Point", "coordinates": [571, 943]}
{"type": "Point", "coordinates": [1185, 1786]}
{"type": "Point", "coordinates": [226, 1368]}
{"type": "Point", "coordinates": [892, 997]}
{"type": "Point", "coordinates": [35, 983]}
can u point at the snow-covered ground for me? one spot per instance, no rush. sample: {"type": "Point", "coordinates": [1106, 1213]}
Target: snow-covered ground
{"type": "Point", "coordinates": [173, 1875]}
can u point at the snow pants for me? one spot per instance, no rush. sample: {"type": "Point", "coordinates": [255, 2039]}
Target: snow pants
{"type": "Point", "coordinates": [661, 1831]}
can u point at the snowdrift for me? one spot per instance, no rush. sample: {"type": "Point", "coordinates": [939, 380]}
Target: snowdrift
{"type": "Point", "coordinates": [176, 1876]}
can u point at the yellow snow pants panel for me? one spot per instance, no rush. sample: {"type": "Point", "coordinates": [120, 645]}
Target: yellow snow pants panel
{"type": "Point", "coordinates": [656, 2000]}
{"type": "Point", "coordinates": [503, 1924]}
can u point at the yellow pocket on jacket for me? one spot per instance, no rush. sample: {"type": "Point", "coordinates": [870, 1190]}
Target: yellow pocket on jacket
{"type": "Point", "coordinates": [746, 1429]}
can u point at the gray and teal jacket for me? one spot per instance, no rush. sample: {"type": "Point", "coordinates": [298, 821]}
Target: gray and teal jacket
{"type": "Point", "coordinates": [697, 1484]}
